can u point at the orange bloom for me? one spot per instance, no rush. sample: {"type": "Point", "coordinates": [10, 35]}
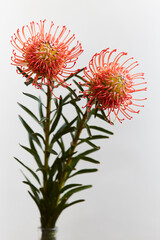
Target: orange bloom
{"type": "Point", "coordinates": [44, 56]}
{"type": "Point", "coordinates": [111, 84]}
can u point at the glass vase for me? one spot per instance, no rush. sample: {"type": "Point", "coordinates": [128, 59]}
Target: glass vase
{"type": "Point", "coordinates": [47, 233]}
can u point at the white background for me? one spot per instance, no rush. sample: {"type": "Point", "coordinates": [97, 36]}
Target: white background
{"type": "Point", "coordinates": [124, 203]}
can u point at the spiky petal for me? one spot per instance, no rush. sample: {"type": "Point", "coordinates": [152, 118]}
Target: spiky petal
{"type": "Point", "coordinates": [111, 84]}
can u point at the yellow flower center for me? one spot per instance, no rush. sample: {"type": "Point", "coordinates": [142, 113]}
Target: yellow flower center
{"type": "Point", "coordinates": [115, 83]}
{"type": "Point", "coordinates": [47, 51]}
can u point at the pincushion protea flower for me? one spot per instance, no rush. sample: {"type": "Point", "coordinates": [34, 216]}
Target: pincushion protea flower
{"type": "Point", "coordinates": [44, 55]}
{"type": "Point", "coordinates": [111, 84]}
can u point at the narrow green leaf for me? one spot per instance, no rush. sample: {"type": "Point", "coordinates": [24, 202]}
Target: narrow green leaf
{"type": "Point", "coordinates": [65, 188]}
{"type": "Point", "coordinates": [79, 86]}
{"type": "Point", "coordinates": [35, 200]}
{"type": "Point", "coordinates": [104, 115]}
{"type": "Point", "coordinates": [30, 170]}
{"type": "Point", "coordinates": [101, 116]}
{"type": "Point", "coordinates": [52, 151]}
{"type": "Point", "coordinates": [34, 152]}
{"type": "Point", "coordinates": [34, 97]}
{"type": "Point", "coordinates": [34, 190]}
{"type": "Point", "coordinates": [72, 203]}
{"type": "Point", "coordinates": [86, 153]}
{"type": "Point", "coordinates": [39, 135]}
{"type": "Point", "coordinates": [31, 186]}
{"type": "Point", "coordinates": [78, 71]}
{"type": "Point", "coordinates": [61, 145]}
{"type": "Point", "coordinates": [88, 130]}
{"type": "Point", "coordinates": [67, 195]}
{"type": "Point", "coordinates": [72, 75]}
{"type": "Point", "coordinates": [89, 143]}
{"type": "Point", "coordinates": [78, 110]}
{"type": "Point", "coordinates": [67, 97]}
{"type": "Point", "coordinates": [42, 117]}
{"type": "Point", "coordinates": [80, 78]}
{"type": "Point", "coordinates": [73, 93]}
{"type": "Point", "coordinates": [101, 129]}
{"type": "Point", "coordinates": [94, 137]}
{"type": "Point", "coordinates": [88, 159]}
{"type": "Point", "coordinates": [30, 131]}
{"type": "Point", "coordinates": [30, 80]}
{"type": "Point", "coordinates": [61, 133]}
{"type": "Point", "coordinates": [29, 112]}
{"type": "Point", "coordinates": [84, 171]}
{"type": "Point", "coordinates": [59, 111]}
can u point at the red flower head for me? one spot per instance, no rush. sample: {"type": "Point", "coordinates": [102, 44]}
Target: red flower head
{"type": "Point", "coordinates": [111, 84]}
{"type": "Point", "coordinates": [44, 55]}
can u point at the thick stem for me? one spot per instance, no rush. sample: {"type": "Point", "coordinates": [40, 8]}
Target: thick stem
{"type": "Point", "coordinates": [47, 129]}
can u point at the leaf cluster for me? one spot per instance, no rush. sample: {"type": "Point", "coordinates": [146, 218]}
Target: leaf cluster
{"type": "Point", "coordinates": [52, 190]}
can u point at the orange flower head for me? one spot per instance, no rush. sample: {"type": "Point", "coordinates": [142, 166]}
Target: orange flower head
{"type": "Point", "coordinates": [43, 55]}
{"type": "Point", "coordinates": [111, 84]}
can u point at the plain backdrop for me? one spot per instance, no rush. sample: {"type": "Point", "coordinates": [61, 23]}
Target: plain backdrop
{"type": "Point", "coordinates": [124, 203]}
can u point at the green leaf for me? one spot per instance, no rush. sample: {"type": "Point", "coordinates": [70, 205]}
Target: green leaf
{"type": "Point", "coordinates": [73, 93]}
{"type": "Point", "coordinates": [72, 203]}
{"type": "Point", "coordinates": [67, 97]}
{"type": "Point", "coordinates": [59, 134]}
{"type": "Point", "coordinates": [52, 151]}
{"type": "Point", "coordinates": [34, 97]}
{"type": "Point", "coordinates": [89, 143]}
{"type": "Point", "coordinates": [30, 80]}
{"type": "Point", "coordinates": [72, 75]}
{"type": "Point", "coordinates": [54, 168]}
{"type": "Point", "coordinates": [61, 145]}
{"type": "Point", "coordinates": [42, 117]}
{"type": "Point", "coordinates": [79, 86]}
{"type": "Point", "coordinates": [30, 131]}
{"type": "Point", "coordinates": [34, 190]}
{"type": "Point", "coordinates": [86, 153]}
{"type": "Point", "coordinates": [89, 170]}
{"type": "Point", "coordinates": [34, 152]}
{"type": "Point", "coordinates": [94, 137]}
{"type": "Point", "coordinates": [68, 124]}
{"type": "Point", "coordinates": [65, 188]}
{"type": "Point", "coordinates": [78, 110]}
{"type": "Point", "coordinates": [31, 186]}
{"type": "Point", "coordinates": [37, 201]}
{"type": "Point", "coordinates": [88, 130]}
{"type": "Point", "coordinates": [101, 129]}
{"type": "Point", "coordinates": [104, 115]}
{"type": "Point", "coordinates": [39, 135]}
{"type": "Point", "coordinates": [78, 71]}
{"type": "Point", "coordinates": [29, 112]}
{"type": "Point", "coordinates": [80, 77]}
{"type": "Point", "coordinates": [101, 116]}
{"type": "Point", "coordinates": [59, 111]}
{"type": "Point", "coordinates": [88, 159]}
{"type": "Point", "coordinates": [30, 170]}
{"type": "Point", "coordinates": [67, 195]}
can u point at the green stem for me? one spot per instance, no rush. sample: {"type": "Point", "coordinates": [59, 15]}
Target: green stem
{"type": "Point", "coordinates": [73, 147]}
{"type": "Point", "coordinates": [47, 129]}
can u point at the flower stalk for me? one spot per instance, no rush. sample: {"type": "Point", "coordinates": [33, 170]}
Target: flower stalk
{"type": "Point", "coordinates": [46, 131]}
{"type": "Point", "coordinates": [73, 147]}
